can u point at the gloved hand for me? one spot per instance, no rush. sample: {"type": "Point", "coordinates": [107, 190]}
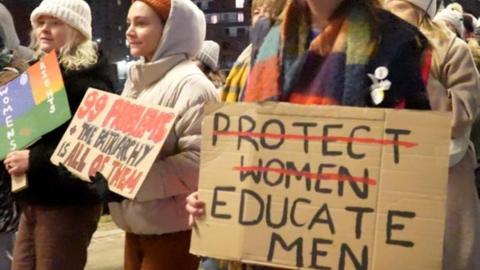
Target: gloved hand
{"type": "Point", "coordinates": [99, 186]}
{"type": "Point", "coordinates": [68, 180]}
{"type": "Point", "coordinates": [63, 172]}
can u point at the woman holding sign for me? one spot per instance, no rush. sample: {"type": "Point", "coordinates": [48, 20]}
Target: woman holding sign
{"type": "Point", "coordinates": [166, 35]}
{"type": "Point", "coordinates": [59, 212]}
{"type": "Point", "coordinates": [340, 52]}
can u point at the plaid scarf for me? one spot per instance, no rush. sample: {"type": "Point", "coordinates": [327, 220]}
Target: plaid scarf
{"type": "Point", "coordinates": [329, 70]}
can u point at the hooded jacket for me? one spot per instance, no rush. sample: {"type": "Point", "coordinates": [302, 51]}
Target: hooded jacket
{"type": "Point", "coordinates": [170, 80]}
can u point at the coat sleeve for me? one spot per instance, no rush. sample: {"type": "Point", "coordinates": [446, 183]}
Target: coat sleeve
{"type": "Point", "coordinates": [462, 82]}
{"type": "Point", "coordinates": [178, 174]}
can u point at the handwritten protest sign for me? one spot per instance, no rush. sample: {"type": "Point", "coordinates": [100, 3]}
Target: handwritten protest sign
{"type": "Point", "coordinates": [32, 105]}
{"type": "Point", "coordinates": [322, 187]}
{"type": "Point", "coordinates": [116, 136]}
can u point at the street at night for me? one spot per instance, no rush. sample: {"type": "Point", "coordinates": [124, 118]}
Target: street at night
{"type": "Point", "coordinates": [239, 134]}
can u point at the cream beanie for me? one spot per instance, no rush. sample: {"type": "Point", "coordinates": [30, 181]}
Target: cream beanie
{"type": "Point", "coordinates": [75, 13]}
{"type": "Point", "coordinates": [429, 6]}
{"type": "Point", "coordinates": [209, 54]}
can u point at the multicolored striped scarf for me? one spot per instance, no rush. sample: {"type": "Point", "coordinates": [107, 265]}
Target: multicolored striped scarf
{"type": "Point", "coordinates": [328, 70]}
{"type": "Point", "coordinates": [236, 81]}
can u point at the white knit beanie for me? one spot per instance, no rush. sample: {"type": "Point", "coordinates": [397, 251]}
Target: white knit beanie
{"type": "Point", "coordinates": [209, 54]}
{"type": "Point", "coordinates": [75, 13]}
{"type": "Point", "coordinates": [453, 18]}
{"type": "Point", "coordinates": [429, 6]}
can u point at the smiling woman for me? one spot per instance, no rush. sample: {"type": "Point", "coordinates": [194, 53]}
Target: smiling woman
{"type": "Point", "coordinates": [165, 35]}
{"type": "Point", "coordinates": [144, 31]}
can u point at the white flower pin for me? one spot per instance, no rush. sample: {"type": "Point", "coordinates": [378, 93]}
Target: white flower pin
{"type": "Point", "coordinates": [380, 84]}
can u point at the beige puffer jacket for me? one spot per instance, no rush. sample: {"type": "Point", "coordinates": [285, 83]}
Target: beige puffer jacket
{"type": "Point", "coordinates": [172, 80]}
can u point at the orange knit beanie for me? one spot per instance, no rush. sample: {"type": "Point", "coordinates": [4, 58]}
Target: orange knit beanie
{"type": "Point", "coordinates": [162, 7]}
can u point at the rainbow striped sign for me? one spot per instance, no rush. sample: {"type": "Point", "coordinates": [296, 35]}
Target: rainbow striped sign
{"type": "Point", "coordinates": [32, 105]}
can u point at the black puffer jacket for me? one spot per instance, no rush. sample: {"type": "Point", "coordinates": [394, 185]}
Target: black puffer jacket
{"type": "Point", "coordinates": [47, 183]}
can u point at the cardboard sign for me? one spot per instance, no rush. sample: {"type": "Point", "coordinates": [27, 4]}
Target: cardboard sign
{"type": "Point", "coordinates": [320, 187]}
{"type": "Point", "coordinates": [32, 105]}
{"type": "Point", "coordinates": [116, 136]}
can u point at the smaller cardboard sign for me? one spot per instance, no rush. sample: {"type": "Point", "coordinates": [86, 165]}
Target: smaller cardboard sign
{"type": "Point", "coordinates": [116, 136]}
{"type": "Point", "coordinates": [32, 105]}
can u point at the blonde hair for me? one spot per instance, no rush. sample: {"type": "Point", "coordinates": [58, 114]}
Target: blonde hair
{"type": "Point", "coordinates": [273, 7]}
{"type": "Point", "coordinates": [78, 53]}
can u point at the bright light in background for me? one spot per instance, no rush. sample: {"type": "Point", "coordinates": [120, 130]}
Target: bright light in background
{"type": "Point", "coordinates": [122, 68]}
{"type": "Point", "coordinates": [239, 3]}
{"type": "Point", "coordinates": [240, 17]}
{"type": "Point", "coordinates": [214, 19]}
